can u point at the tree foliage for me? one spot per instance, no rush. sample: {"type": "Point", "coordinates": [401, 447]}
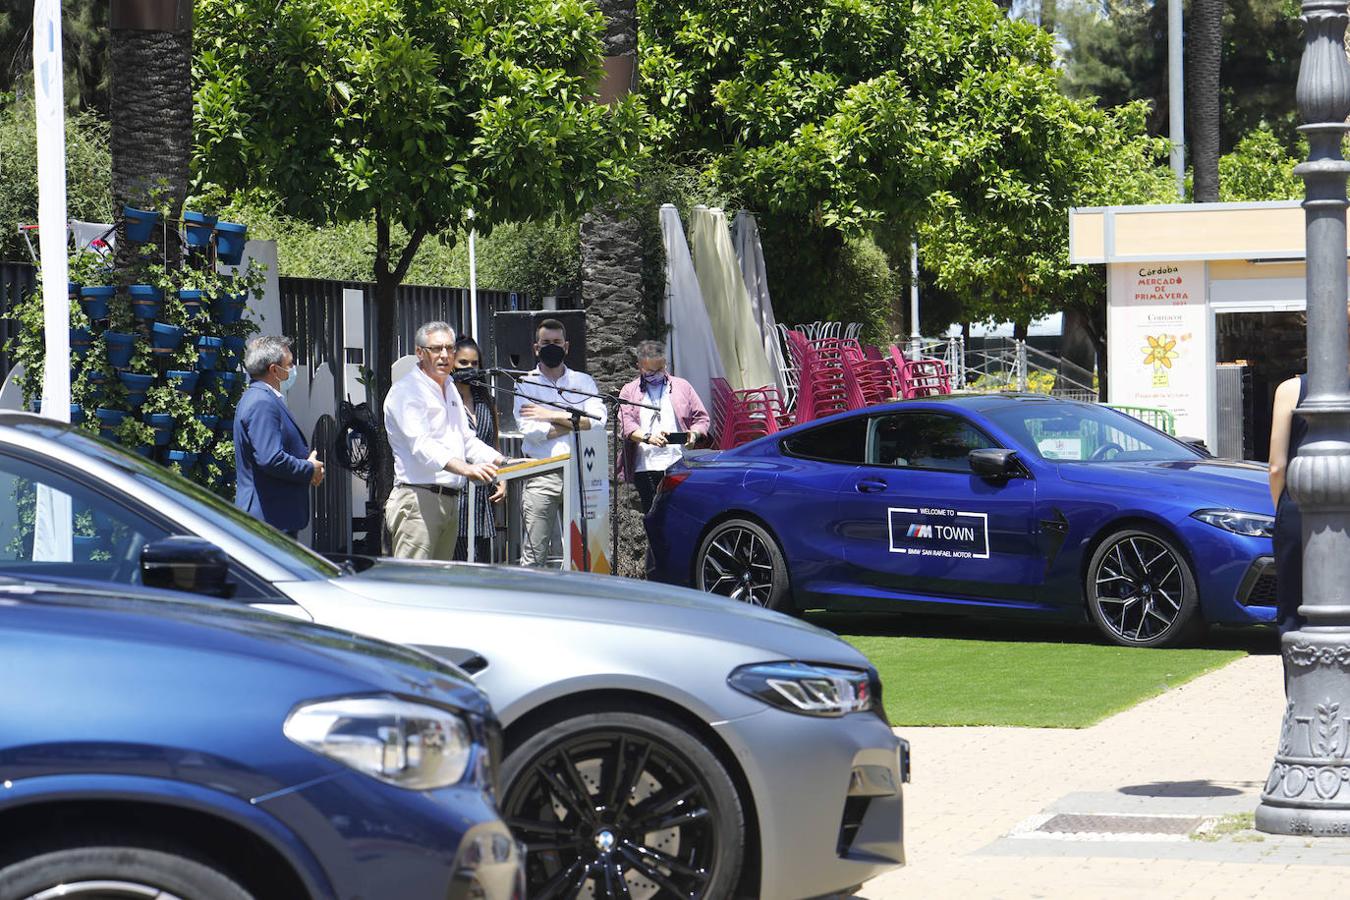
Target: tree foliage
{"type": "Point", "coordinates": [1259, 168]}
{"type": "Point", "coordinates": [88, 164]}
{"type": "Point", "coordinates": [1121, 56]}
{"type": "Point", "coordinates": [410, 112]}
{"type": "Point", "coordinates": [884, 117]}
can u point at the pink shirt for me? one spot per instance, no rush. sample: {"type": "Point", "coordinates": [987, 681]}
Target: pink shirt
{"type": "Point", "coordinates": [689, 414]}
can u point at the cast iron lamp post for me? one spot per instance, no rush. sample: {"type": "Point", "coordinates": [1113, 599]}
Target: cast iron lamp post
{"type": "Point", "coordinates": [1308, 791]}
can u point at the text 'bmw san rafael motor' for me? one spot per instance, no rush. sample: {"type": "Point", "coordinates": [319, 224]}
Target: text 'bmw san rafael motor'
{"type": "Point", "coordinates": [1000, 504]}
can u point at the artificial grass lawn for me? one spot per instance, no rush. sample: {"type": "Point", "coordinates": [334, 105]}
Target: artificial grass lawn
{"type": "Point", "coordinates": [944, 681]}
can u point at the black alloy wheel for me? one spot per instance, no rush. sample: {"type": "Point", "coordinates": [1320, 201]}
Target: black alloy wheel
{"type": "Point", "coordinates": [623, 805]}
{"type": "Point", "coordinates": [740, 560]}
{"type": "Point", "coordinates": [1140, 590]}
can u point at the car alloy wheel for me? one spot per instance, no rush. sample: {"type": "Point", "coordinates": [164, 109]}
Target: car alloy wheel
{"type": "Point", "coordinates": [741, 561]}
{"type": "Point", "coordinates": [1141, 590]}
{"type": "Point", "coordinates": [624, 805]}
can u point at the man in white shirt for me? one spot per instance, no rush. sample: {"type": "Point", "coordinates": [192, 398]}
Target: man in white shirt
{"type": "Point", "coordinates": [547, 431]}
{"type": "Point", "coordinates": [434, 449]}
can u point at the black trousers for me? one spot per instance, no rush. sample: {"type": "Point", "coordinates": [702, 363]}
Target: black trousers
{"type": "Point", "coordinates": [646, 484]}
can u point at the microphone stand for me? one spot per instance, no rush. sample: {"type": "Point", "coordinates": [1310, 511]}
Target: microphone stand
{"type": "Point", "coordinates": [619, 438]}
{"type": "Point", "coordinates": [576, 415]}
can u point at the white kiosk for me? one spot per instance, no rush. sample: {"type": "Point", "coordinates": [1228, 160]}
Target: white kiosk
{"type": "Point", "coordinates": [1204, 311]}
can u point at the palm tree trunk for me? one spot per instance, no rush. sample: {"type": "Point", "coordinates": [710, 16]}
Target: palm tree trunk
{"type": "Point", "coordinates": [1204, 52]}
{"type": "Point", "coordinates": [611, 283]}
{"type": "Point", "coordinates": [151, 108]}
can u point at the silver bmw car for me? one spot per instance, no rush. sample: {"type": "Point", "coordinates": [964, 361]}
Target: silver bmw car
{"type": "Point", "coordinates": [659, 742]}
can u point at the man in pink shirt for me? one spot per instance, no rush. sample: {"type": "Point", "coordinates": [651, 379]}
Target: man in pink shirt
{"type": "Point", "coordinates": [648, 449]}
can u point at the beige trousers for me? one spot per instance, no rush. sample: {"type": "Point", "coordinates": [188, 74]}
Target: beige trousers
{"type": "Point", "coordinates": [541, 503]}
{"type": "Point", "coordinates": [422, 524]}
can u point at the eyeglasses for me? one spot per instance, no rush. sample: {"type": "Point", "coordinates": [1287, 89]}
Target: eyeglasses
{"type": "Point", "coordinates": [438, 349]}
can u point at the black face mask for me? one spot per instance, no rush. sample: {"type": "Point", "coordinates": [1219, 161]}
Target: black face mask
{"type": "Point", "coordinates": [552, 355]}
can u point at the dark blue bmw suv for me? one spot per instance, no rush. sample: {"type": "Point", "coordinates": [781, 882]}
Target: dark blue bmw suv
{"type": "Point", "coordinates": [154, 747]}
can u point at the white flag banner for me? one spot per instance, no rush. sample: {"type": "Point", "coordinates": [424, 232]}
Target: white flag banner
{"type": "Point", "coordinates": [52, 526]}
{"type": "Point", "coordinates": [49, 84]}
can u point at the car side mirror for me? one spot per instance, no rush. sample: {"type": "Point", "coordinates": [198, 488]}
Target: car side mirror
{"type": "Point", "coordinates": [183, 563]}
{"type": "Point", "coordinates": [993, 463]}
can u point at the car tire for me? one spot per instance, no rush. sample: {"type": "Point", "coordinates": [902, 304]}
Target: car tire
{"type": "Point", "coordinates": [671, 779]}
{"type": "Point", "coordinates": [733, 559]}
{"type": "Point", "coordinates": [1140, 589]}
{"type": "Point", "coordinates": [60, 873]}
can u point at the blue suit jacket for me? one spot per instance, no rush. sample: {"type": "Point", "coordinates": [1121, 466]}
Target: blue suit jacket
{"type": "Point", "coordinates": [272, 469]}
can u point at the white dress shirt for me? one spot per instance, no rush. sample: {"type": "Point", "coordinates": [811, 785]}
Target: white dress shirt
{"type": "Point", "coordinates": [536, 443]}
{"type": "Point", "coordinates": [651, 458]}
{"type": "Point", "coordinates": [428, 428]}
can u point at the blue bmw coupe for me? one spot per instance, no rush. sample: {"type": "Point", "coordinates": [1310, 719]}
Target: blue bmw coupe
{"type": "Point", "coordinates": [1003, 504]}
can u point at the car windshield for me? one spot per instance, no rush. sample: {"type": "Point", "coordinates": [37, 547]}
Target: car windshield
{"type": "Point", "coordinates": [159, 480]}
{"type": "Point", "coordinates": [1083, 432]}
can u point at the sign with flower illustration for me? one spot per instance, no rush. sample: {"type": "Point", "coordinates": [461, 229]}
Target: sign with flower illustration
{"type": "Point", "coordinates": [1157, 330]}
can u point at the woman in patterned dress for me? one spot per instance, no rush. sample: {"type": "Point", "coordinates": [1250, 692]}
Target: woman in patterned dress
{"type": "Point", "coordinates": [482, 413]}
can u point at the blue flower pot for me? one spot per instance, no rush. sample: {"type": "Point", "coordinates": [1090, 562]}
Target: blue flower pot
{"type": "Point", "coordinates": [80, 341]}
{"type": "Point", "coordinates": [146, 450]}
{"type": "Point", "coordinates": [119, 348]}
{"type": "Point", "coordinates": [97, 382]}
{"type": "Point", "coordinates": [198, 227]}
{"type": "Point", "coordinates": [185, 459]}
{"type": "Point", "coordinates": [229, 308]}
{"type": "Point", "coordinates": [165, 339]}
{"type": "Point", "coordinates": [192, 302]}
{"type": "Point", "coordinates": [108, 420]}
{"type": "Point", "coordinates": [210, 422]}
{"type": "Point", "coordinates": [94, 301]}
{"type": "Point", "coordinates": [230, 237]}
{"type": "Point", "coordinates": [136, 386]}
{"type": "Point", "coordinates": [227, 428]}
{"type": "Point", "coordinates": [76, 411]}
{"type": "Point", "coordinates": [231, 353]}
{"type": "Point", "coordinates": [145, 300]}
{"type": "Point", "coordinates": [208, 352]}
{"type": "Point", "coordinates": [162, 423]}
{"type": "Point", "coordinates": [139, 223]}
{"type": "Point", "coordinates": [73, 290]}
{"type": "Point", "coordinates": [183, 381]}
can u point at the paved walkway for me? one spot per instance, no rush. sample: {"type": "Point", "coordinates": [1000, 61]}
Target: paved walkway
{"type": "Point", "coordinates": [1203, 749]}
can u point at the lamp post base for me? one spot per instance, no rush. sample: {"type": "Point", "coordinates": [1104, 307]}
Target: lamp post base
{"type": "Point", "coordinates": [1308, 790]}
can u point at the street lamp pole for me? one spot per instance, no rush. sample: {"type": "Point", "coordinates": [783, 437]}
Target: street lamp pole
{"type": "Point", "coordinates": [1308, 791]}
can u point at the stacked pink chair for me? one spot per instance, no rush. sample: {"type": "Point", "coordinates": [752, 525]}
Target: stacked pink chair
{"type": "Point", "coordinates": [823, 383]}
{"type": "Point", "coordinates": [741, 416]}
{"type": "Point", "coordinates": [874, 376]}
{"type": "Point", "coordinates": [920, 377]}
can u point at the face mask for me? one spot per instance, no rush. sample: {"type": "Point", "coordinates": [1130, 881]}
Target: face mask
{"type": "Point", "coordinates": [552, 355]}
{"type": "Point", "coordinates": [653, 380]}
{"type": "Point", "coordinates": [290, 379]}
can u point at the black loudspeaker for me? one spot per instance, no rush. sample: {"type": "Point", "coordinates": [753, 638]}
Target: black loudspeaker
{"type": "Point", "coordinates": [513, 335]}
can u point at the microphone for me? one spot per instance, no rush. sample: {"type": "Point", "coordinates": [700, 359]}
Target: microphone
{"type": "Point", "coordinates": [459, 376]}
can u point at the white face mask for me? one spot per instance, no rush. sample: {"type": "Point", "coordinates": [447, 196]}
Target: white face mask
{"type": "Point", "coordinates": [290, 379]}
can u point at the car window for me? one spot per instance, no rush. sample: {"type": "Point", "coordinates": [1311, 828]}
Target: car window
{"type": "Point", "coordinates": [1074, 432]}
{"type": "Point", "coordinates": [925, 440]}
{"type": "Point", "coordinates": [54, 526]}
{"type": "Point", "coordinates": [842, 441]}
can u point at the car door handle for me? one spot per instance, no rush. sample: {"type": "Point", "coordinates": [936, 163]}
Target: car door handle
{"type": "Point", "coordinates": [871, 485]}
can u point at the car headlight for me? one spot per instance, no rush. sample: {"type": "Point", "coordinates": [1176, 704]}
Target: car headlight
{"type": "Point", "coordinates": [407, 744]}
{"type": "Point", "coordinates": [1250, 524]}
{"type": "Point", "coordinates": [805, 688]}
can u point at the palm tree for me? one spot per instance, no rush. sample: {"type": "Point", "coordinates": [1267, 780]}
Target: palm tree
{"type": "Point", "coordinates": [1204, 52]}
{"type": "Point", "coordinates": [611, 276]}
{"type": "Point", "coordinates": [151, 106]}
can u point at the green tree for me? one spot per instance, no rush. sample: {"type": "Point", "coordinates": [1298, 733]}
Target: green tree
{"type": "Point", "coordinates": [87, 173]}
{"type": "Point", "coordinates": [1259, 168]}
{"type": "Point", "coordinates": [409, 113]}
{"type": "Point", "coordinates": [84, 48]}
{"type": "Point", "coordinates": [1117, 52]}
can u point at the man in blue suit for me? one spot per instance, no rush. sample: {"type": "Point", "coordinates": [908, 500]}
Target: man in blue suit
{"type": "Point", "coordinates": [273, 464]}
